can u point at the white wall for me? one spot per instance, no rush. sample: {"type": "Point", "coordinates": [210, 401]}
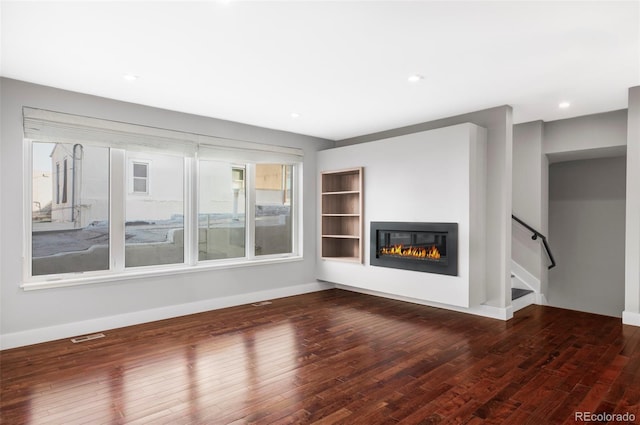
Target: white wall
{"type": "Point", "coordinates": [41, 189]}
{"type": "Point", "coordinates": [587, 233]}
{"type": "Point", "coordinates": [93, 185]}
{"type": "Point", "coordinates": [30, 316]}
{"type": "Point", "coordinates": [165, 185]}
{"type": "Point", "coordinates": [217, 197]}
{"type": "Point", "coordinates": [632, 253]}
{"type": "Point", "coordinates": [431, 176]}
{"type": "Point", "coordinates": [498, 122]}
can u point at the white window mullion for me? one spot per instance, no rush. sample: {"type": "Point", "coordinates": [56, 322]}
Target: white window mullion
{"type": "Point", "coordinates": [28, 199]}
{"type": "Point", "coordinates": [190, 211]}
{"type": "Point", "coordinates": [250, 212]}
{"type": "Point", "coordinates": [117, 190]}
{"type": "Point", "coordinates": [296, 210]}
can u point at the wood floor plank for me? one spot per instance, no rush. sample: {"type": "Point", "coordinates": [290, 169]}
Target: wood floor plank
{"type": "Point", "coordinates": [331, 357]}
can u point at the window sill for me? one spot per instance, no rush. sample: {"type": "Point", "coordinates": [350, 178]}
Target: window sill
{"type": "Point", "coordinates": [144, 272]}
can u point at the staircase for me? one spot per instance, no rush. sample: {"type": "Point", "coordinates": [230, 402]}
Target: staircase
{"type": "Point", "coordinates": [525, 288]}
{"type": "Point", "coordinates": [521, 294]}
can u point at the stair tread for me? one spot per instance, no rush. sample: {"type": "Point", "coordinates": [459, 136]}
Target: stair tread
{"type": "Point", "coordinates": [519, 293]}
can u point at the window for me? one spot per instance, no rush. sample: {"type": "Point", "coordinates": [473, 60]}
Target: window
{"type": "Point", "coordinates": [237, 177]}
{"type": "Point", "coordinates": [224, 227]}
{"type": "Point", "coordinates": [154, 224]}
{"type": "Point", "coordinates": [70, 238]}
{"type": "Point", "coordinates": [274, 231]}
{"type": "Point", "coordinates": [221, 212]}
{"type": "Point", "coordinates": [213, 201]}
{"type": "Point", "coordinates": [140, 177]}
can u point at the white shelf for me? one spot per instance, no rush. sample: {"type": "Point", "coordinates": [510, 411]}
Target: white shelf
{"type": "Point", "coordinates": [343, 192]}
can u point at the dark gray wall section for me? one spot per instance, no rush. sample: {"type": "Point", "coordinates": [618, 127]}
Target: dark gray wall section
{"type": "Point", "coordinates": [587, 233]}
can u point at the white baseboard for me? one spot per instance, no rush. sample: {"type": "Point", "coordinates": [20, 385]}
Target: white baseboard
{"type": "Point", "coordinates": [67, 330]}
{"type": "Point", "coordinates": [522, 302]}
{"type": "Point", "coordinates": [493, 312]}
{"type": "Point", "coordinates": [630, 318]}
{"type": "Point", "coordinates": [501, 313]}
{"type": "Point", "coordinates": [541, 299]}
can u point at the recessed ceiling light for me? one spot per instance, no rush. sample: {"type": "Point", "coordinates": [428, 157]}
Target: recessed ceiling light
{"type": "Point", "coordinates": [415, 78]}
{"type": "Point", "coordinates": [295, 115]}
{"type": "Point", "coordinates": [130, 77]}
{"type": "Point", "coordinates": [564, 105]}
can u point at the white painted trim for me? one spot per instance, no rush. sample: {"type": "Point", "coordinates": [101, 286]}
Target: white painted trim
{"type": "Point", "coordinates": [67, 330]}
{"type": "Point", "coordinates": [56, 127]}
{"type": "Point", "coordinates": [525, 277]}
{"type": "Point", "coordinates": [88, 278]}
{"type": "Point", "coordinates": [630, 318]}
{"type": "Point", "coordinates": [493, 312]}
{"type": "Point", "coordinates": [516, 282]}
{"type": "Point", "coordinates": [541, 299]}
{"type": "Point", "coordinates": [484, 310]}
{"type": "Point", "coordinates": [524, 301]}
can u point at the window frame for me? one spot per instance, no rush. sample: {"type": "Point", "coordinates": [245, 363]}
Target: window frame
{"type": "Point", "coordinates": [65, 174]}
{"type": "Point", "coordinates": [132, 177]}
{"type": "Point", "coordinates": [293, 202]}
{"type": "Point", "coordinates": [118, 189]}
{"type": "Point", "coordinates": [57, 183]}
{"type": "Point", "coordinates": [250, 216]}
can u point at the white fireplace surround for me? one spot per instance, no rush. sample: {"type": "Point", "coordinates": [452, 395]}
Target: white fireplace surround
{"type": "Point", "coordinates": [442, 180]}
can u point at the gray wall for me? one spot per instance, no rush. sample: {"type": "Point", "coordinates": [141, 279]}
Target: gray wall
{"type": "Point", "coordinates": [535, 146]}
{"type": "Point", "coordinates": [528, 193]}
{"type": "Point", "coordinates": [587, 233]}
{"type": "Point", "coordinates": [589, 136]}
{"type": "Point", "coordinates": [632, 264]}
{"type": "Point", "coordinates": [499, 124]}
{"type": "Point", "coordinates": [31, 310]}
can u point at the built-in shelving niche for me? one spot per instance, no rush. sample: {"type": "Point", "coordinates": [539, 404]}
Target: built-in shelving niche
{"type": "Point", "coordinates": [342, 215]}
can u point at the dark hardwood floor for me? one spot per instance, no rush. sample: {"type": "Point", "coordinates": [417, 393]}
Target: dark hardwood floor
{"type": "Point", "coordinates": [332, 357]}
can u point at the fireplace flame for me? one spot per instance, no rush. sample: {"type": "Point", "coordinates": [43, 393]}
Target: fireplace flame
{"type": "Point", "coordinates": [401, 250]}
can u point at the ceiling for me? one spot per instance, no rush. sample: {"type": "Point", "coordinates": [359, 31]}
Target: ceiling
{"type": "Point", "coordinates": [341, 65]}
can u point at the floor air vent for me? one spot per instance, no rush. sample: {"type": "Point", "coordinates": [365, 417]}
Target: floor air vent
{"type": "Point", "coordinates": [86, 338]}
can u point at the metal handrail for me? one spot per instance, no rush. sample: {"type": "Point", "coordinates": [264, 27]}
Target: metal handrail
{"type": "Point", "coordinates": [535, 236]}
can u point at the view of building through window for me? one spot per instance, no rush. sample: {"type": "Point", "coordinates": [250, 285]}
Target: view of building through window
{"type": "Point", "coordinates": [72, 183]}
{"type": "Point", "coordinates": [71, 234]}
{"type": "Point", "coordinates": [221, 210]}
{"type": "Point", "coordinates": [273, 209]}
{"type": "Point", "coordinates": [154, 214]}
{"type": "Point", "coordinates": [140, 177]}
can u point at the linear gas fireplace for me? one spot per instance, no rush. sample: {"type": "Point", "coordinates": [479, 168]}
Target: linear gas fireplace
{"type": "Point", "coordinates": [425, 247]}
